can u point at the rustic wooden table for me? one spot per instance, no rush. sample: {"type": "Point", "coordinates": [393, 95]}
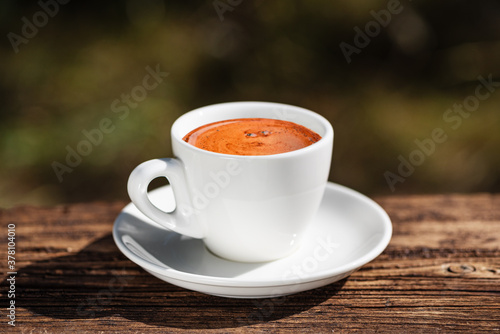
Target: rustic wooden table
{"type": "Point", "coordinates": [440, 272]}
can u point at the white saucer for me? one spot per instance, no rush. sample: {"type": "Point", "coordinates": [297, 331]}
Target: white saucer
{"type": "Point", "coordinates": [348, 231]}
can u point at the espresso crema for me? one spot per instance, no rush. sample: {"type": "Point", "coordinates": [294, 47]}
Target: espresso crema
{"type": "Point", "coordinates": [251, 136]}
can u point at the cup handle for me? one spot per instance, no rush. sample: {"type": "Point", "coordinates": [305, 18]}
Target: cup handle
{"type": "Point", "coordinates": [179, 220]}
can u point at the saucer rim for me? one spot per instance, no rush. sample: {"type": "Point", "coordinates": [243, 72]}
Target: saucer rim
{"type": "Point", "coordinates": [352, 266]}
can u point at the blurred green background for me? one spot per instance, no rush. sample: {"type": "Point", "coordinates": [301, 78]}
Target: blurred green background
{"type": "Point", "coordinates": [61, 78]}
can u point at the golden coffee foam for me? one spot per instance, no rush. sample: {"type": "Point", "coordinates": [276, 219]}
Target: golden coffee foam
{"type": "Point", "coordinates": [251, 136]}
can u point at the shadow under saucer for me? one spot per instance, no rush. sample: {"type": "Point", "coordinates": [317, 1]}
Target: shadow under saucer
{"type": "Point", "coordinates": [99, 282]}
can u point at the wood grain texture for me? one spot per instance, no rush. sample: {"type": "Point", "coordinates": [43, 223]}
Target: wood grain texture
{"type": "Point", "coordinates": [440, 273]}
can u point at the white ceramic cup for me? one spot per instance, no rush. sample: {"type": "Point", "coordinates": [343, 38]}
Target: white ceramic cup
{"type": "Point", "coordinates": [246, 208]}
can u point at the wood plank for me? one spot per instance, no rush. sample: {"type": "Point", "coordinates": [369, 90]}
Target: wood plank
{"type": "Point", "coordinates": [441, 272]}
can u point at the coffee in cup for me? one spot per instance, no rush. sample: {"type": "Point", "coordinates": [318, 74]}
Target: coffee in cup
{"type": "Point", "coordinates": [247, 205]}
{"type": "Point", "coordinates": [251, 136]}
